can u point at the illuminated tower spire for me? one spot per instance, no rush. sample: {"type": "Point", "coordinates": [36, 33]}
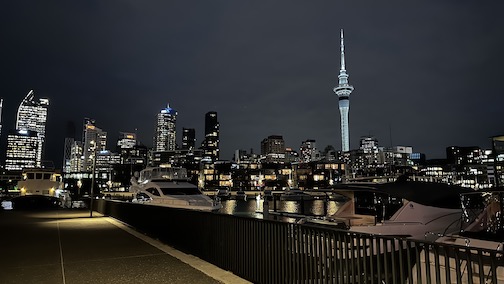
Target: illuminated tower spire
{"type": "Point", "coordinates": [343, 90]}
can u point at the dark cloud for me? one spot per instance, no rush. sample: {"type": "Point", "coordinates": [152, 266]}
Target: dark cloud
{"type": "Point", "coordinates": [425, 74]}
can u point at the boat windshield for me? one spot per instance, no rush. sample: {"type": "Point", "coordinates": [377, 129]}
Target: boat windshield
{"type": "Point", "coordinates": [380, 205]}
{"type": "Point", "coordinates": [482, 215]}
{"type": "Point", "coordinates": [181, 191]}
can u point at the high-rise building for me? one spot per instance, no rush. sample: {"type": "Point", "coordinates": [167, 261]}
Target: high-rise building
{"type": "Point", "coordinates": [67, 151]}
{"type": "Point", "coordinates": [32, 115]}
{"type": "Point", "coordinates": [211, 143]}
{"type": "Point", "coordinates": [95, 140]}
{"type": "Point", "coordinates": [273, 148]}
{"type": "Point", "coordinates": [309, 152]}
{"type": "Point", "coordinates": [165, 130]}
{"type": "Point", "coordinates": [127, 148]}
{"type": "Point", "coordinates": [22, 146]}
{"type": "Point", "coordinates": [343, 90]}
{"type": "Point", "coordinates": [105, 161]}
{"type": "Point", "coordinates": [464, 155]}
{"type": "Point", "coordinates": [369, 144]}
{"type": "Point", "coordinates": [188, 138]}
{"type": "Point", "coordinates": [1, 105]}
{"type": "Point", "coordinates": [76, 158]}
{"type": "Point", "coordinates": [126, 140]}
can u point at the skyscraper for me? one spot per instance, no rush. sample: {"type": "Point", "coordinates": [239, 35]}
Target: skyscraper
{"type": "Point", "coordinates": [32, 115]}
{"type": "Point", "coordinates": [22, 148]}
{"type": "Point", "coordinates": [308, 151]}
{"type": "Point", "coordinates": [126, 140]}
{"type": "Point", "coordinates": [76, 160]}
{"type": "Point", "coordinates": [95, 140]}
{"type": "Point", "coordinates": [69, 142]}
{"type": "Point", "coordinates": [343, 90]}
{"type": "Point", "coordinates": [211, 143]}
{"type": "Point", "coordinates": [273, 149]}
{"type": "Point", "coordinates": [188, 138]}
{"type": "Point", "coordinates": [165, 130]}
{"type": "Point", "coordinates": [1, 104]}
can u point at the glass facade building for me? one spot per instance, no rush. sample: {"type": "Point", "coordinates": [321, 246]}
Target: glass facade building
{"type": "Point", "coordinates": [164, 139]}
{"type": "Point", "coordinates": [22, 146]}
{"type": "Point", "coordinates": [188, 138]}
{"type": "Point", "coordinates": [32, 116]}
{"type": "Point", "coordinates": [211, 143]}
{"type": "Point", "coordinates": [95, 140]}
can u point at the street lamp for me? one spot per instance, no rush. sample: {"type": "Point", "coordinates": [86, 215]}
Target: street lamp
{"type": "Point", "coordinates": [92, 182]}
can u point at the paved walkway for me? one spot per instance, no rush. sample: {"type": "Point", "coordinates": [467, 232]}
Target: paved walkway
{"type": "Point", "coordinates": [66, 246]}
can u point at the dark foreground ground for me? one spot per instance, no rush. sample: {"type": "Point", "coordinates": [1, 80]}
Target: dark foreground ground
{"type": "Point", "coordinates": [66, 246]}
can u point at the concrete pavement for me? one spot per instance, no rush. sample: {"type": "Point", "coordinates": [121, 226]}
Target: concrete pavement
{"type": "Point", "coordinates": [66, 246]}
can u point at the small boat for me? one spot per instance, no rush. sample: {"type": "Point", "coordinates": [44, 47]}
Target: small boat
{"type": "Point", "coordinates": [170, 187]}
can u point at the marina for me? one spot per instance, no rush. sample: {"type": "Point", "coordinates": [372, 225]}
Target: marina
{"type": "Point", "coordinates": [265, 240]}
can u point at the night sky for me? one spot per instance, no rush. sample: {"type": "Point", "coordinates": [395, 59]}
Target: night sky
{"type": "Point", "coordinates": [426, 75]}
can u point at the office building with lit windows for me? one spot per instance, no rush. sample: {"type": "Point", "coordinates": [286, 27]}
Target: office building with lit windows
{"type": "Point", "coordinates": [22, 146]}
{"type": "Point", "coordinates": [126, 141]}
{"type": "Point", "coordinates": [309, 152]}
{"type": "Point", "coordinates": [76, 160]}
{"type": "Point", "coordinates": [32, 116]}
{"type": "Point", "coordinates": [164, 139]}
{"type": "Point", "coordinates": [1, 105]}
{"type": "Point", "coordinates": [67, 148]}
{"type": "Point", "coordinates": [130, 150]}
{"type": "Point", "coordinates": [188, 138]}
{"type": "Point", "coordinates": [211, 144]}
{"type": "Point", "coordinates": [273, 149]}
{"type": "Point", "coordinates": [95, 140]}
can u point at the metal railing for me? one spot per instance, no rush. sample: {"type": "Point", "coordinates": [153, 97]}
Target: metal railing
{"type": "Point", "coordinates": [267, 251]}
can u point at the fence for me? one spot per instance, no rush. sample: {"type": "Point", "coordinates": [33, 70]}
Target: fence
{"type": "Point", "coordinates": [268, 251]}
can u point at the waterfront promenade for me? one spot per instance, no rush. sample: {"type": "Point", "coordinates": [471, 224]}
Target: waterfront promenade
{"type": "Point", "coordinates": [66, 246]}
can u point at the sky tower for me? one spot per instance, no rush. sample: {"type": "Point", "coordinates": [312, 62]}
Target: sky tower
{"type": "Point", "coordinates": [343, 90]}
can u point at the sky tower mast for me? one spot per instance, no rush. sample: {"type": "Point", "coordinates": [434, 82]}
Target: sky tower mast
{"type": "Point", "coordinates": [343, 90]}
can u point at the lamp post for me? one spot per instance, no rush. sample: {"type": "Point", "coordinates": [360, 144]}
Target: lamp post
{"type": "Point", "coordinates": [92, 183]}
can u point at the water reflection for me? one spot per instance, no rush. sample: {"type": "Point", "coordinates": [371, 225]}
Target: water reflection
{"type": "Point", "coordinates": [250, 208]}
{"type": "Point", "coordinates": [254, 207]}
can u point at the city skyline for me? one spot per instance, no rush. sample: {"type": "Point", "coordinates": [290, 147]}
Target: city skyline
{"type": "Point", "coordinates": [426, 76]}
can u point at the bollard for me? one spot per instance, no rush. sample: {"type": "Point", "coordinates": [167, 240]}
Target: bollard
{"type": "Point", "coordinates": [265, 208]}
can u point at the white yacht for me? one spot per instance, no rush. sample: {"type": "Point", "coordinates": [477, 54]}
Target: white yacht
{"type": "Point", "coordinates": [405, 209]}
{"type": "Point", "coordinates": [170, 187]}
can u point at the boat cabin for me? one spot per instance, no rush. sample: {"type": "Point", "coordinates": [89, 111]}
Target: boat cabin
{"type": "Point", "coordinates": [160, 173]}
{"type": "Point", "coordinates": [40, 182]}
